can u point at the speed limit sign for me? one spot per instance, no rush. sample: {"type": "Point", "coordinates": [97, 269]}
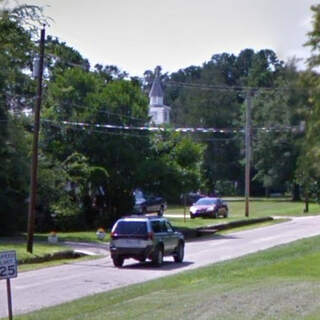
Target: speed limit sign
{"type": "Point", "coordinates": [8, 265]}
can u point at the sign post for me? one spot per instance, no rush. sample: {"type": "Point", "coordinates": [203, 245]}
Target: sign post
{"type": "Point", "coordinates": [8, 270]}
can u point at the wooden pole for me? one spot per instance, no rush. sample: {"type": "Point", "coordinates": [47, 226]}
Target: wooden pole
{"type": "Point", "coordinates": [248, 151]}
{"type": "Point", "coordinates": [184, 207]}
{"type": "Point", "coordinates": [34, 166]}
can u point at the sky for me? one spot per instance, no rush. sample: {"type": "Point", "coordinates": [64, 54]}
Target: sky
{"type": "Point", "coordinates": [138, 35]}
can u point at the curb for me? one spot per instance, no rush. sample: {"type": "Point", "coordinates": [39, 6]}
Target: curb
{"type": "Point", "coordinates": [201, 231]}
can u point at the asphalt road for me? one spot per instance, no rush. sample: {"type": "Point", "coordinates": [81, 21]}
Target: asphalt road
{"type": "Point", "coordinates": [41, 288]}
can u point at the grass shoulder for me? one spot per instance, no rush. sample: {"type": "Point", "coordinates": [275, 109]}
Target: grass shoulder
{"type": "Point", "coordinates": [44, 254]}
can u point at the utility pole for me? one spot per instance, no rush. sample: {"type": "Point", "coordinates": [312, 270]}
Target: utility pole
{"type": "Point", "coordinates": [248, 150]}
{"type": "Point", "coordinates": [34, 165]}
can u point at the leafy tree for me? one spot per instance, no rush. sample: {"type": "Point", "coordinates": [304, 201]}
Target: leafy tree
{"type": "Point", "coordinates": [314, 37]}
{"type": "Point", "coordinates": [61, 57]}
{"type": "Point", "coordinates": [15, 56]}
{"type": "Point", "coordinates": [110, 72]}
{"type": "Point", "coordinates": [174, 160]}
{"type": "Point", "coordinates": [277, 117]}
{"type": "Point", "coordinates": [85, 97]}
{"type": "Point", "coordinates": [308, 171]}
{"type": "Point", "coordinates": [203, 97]}
{"type": "Point", "coordinates": [264, 70]}
{"type": "Point", "coordinates": [14, 177]}
{"type": "Point", "coordinates": [66, 190]}
{"type": "Point", "coordinates": [16, 92]}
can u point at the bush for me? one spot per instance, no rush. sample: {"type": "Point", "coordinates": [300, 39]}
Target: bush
{"type": "Point", "coordinates": [226, 188]}
{"type": "Point", "coordinates": [13, 213]}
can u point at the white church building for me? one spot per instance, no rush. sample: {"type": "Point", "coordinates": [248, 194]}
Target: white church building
{"type": "Point", "coordinates": [159, 113]}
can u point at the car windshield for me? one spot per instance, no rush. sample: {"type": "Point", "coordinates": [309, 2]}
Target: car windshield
{"type": "Point", "coordinates": [132, 227]}
{"type": "Point", "coordinates": [206, 201]}
{"type": "Point", "coordinates": [138, 194]}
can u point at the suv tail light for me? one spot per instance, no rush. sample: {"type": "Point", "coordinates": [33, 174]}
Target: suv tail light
{"type": "Point", "coordinates": [113, 235]}
{"type": "Point", "coordinates": [150, 236]}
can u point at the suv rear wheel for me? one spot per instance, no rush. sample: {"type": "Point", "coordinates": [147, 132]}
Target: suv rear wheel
{"type": "Point", "coordinates": [179, 255]}
{"type": "Point", "coordinates": [157, 256]}
{"type": "Point", "coordinates": [118, 261]}
{"type": "Point", "coordinates": [161, 211]}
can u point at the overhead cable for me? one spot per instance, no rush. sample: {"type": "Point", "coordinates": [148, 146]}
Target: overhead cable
{"type": "Point", "coordinates": [163, 129]}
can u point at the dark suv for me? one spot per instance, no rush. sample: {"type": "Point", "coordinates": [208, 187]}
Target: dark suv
{"type": "Point", "coordinates": [148, 203]}
{"type": "Point", "coordinates": [142, 237]}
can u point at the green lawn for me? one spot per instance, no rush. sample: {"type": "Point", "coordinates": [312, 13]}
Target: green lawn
{"type": "Point", "coordinates": [257, 209]}
{"type": "Point", "coordinates": [41, 246]}
{"type": "Point", "coordinates": [41, 249]}
{"type": "Point", "coordinates": [262, 208]}
{"type": "Point", "coordinates": [20, 246]}
{"type": "Point", "coordinates": [281, 283]}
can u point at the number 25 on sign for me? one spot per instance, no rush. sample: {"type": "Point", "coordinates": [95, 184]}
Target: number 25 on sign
{"type": "Point", "coordinates": [8, 269]}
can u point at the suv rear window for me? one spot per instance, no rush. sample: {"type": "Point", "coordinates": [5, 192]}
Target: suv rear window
{"type": "Point", "coordinates": [159, 226]}
{"type": "Point", "coordinates": [132, 227]}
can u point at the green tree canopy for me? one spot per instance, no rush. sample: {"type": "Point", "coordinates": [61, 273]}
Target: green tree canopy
{"type": "Point", "coordinates": [308, 172]}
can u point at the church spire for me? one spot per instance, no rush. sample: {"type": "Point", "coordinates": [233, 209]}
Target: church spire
{"type": "Point", "coordinates": [156, 92]}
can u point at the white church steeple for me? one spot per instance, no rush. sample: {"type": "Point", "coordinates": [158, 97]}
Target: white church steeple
{"type": "Point", "coordinates": [156, 92]}
{"type": "Point", "coordinates": [158, 112]}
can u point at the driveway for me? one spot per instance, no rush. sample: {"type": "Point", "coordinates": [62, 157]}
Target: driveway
{"type": "Point", "coordinates": [41, 288]}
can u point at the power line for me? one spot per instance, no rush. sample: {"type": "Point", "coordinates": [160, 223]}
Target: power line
{"type": "Point", "coordinates": [106, 132]}
{"type": "Point", "coordinates": [277, 129]}
{"type": "Point", "coordinates": [222, 87]}
{"type": "Point", "coordinates": [163, 129]}
{"type": "Point", "coordinates": [143, 128]}
{"type": "Point", "coordinates": [91, 130]}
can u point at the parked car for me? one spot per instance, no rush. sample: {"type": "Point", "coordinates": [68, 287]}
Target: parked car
{"type": "Point", "coordinates": [147, 203]}
{"type": "Point", "coordinates": [209, 207]}
{"type": "Point", "coordinates": [145, 237]}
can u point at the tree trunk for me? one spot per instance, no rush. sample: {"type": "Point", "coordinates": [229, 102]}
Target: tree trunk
{"type": "Point", "coordinates": [296, 192]}
{"type": "Point", "coordinates": [306, 202]}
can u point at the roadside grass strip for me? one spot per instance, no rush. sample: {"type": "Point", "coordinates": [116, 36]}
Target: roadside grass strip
{"type": "Point", "coordinates": [280, 283]}
{"type": "Point", "coordinates": [40, 249]}
{"type": "Point", "coordinates": [44, 254]}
